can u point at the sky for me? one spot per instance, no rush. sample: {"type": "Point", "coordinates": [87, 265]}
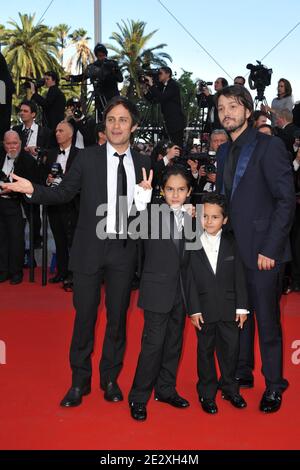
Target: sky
{"type": "Point", "coordinates": [235, 33]}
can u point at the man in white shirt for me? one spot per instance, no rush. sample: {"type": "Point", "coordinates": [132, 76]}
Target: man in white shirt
{"type": "Point", "coordinates": [32, 135]}
{"type": "Point", "coordinates": [92, 259]}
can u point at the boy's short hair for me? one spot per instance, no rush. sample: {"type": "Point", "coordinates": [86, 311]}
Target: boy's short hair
{"type": "Point", "coordinates": [176, 170]}
{"type": "Point", "coordinates": [218, 199]}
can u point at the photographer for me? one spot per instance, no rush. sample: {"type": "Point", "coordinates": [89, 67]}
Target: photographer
{"type": "Point", "coordinates": [105, 75]}
{"type": "Point", "coordinates": [167, 93]}
{"type": "Point", "coordinates": [7, 89]}
{"type": "Point", "coordinates": [208, 172]}
{"type": "Point", "coordinates": [212, 113]}
{"type": "Point", "coordinates": [53, 104]}
{"type": "Point", "coordinates": [62, 218]}
{"type": "Point", "coordinates": [285, 129]}
{"type": "Point", "coordinates": [84, 126]}
{"type": "Point", "coordinates": [31, 134]}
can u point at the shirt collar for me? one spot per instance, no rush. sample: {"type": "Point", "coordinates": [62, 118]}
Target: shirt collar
{"type": "Point", "coordinates": [67, 150]}
{"type": "Point", "coordinates": [111, 151]}
{"type": "Point", "coordinates": [243, 138]}
{"type": "Point", "coordinates": [213, 239]}
{"type": "Point", "coordinates": [33, 126]}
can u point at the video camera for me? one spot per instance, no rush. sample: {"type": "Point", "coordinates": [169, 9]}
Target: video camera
{"type": "Point", "coordinates": [259, 78]}
{"type": "Point", "coordinates": [100, 69]}
{"type": "Point", "coordinates": [38, 82]}
{"type": "Point", "coordinates": [148, 72]}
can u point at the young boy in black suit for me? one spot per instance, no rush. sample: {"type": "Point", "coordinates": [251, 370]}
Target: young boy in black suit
{"type": "Point", "coordinates": [218, 273]}
{"type": "Point", "coordinates": [162, 298]}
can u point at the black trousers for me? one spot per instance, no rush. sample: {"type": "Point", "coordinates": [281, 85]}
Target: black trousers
{"type": "Point", "coordinates": [117, 269]}
{"type": "Point", "coordinates": [176, 137]}
{"type": "Point", "coordinates": [63, 220]}
{"type": "Point", "coordinates": [11, 236]}
{"type": "Point", "coordinates": [265, 289]}
{"type": "Point", "coordinates": [222, 338]}
{"type": "Point", "coordinates": [160, 354]}
{"type": "Point", "coordinates": [295, 244]}
{"type": "Point", "coordinates": [37, 224]}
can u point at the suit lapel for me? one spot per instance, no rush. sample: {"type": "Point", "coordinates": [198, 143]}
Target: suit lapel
{"type": "Point", "coordinates": [222, 252]}
{"type": "Point", "coordinates": [221, 157]}
{"type": "Point", "coordinates": [243, 161]}
{"type": "Point", "coordinates": [70, 160]}
{"type": "Point", "coordinates": [137, 166]}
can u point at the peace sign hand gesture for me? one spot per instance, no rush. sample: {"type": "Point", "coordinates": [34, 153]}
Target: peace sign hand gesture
{"type": "Point", "coordinates": [147, 182]}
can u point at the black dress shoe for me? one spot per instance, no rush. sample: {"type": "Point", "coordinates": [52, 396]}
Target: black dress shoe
{"type": "Point", "coordinates": [3, 276]}
{"type": "Point", "coordinates": [175, 400]}
{"type": "Point", "coordinates": [236, 400]}
{"type": "Point", "coordinates": [68, 285]}
{"type": "Point", "coordinates": [295, 287]}
{"type": "Point", "coordinates": [16, 279]}
{"type": "Point", "coordinates": [113, 392]}
{"type": "Point", "coordinates": [209, 406]}
{"type": "Point", "coordinates": [74, 396]}
{"type": "Point", "coordinates": [270, 402]}
{"type": "Point", "coordinates": [56, 279]}
{"type": "Point", "coordinates": [138, 411]}
{"type": "Point", "coordinates": [245, 383]}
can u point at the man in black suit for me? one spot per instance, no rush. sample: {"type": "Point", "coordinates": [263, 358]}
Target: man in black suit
{"type": "Point", "coordinates": [102, 175]}
{"type": "Point", "coordinates": [167, 93]}
{"type": "Point", "coordinates": [54, 103]}
{"type": "Point", "coordinates": [254, 172]}
{"type": "Point", "coordinates": [84, 126]}
{"type": "Point", "coordinates": [63, 217]}
{"type": "Point", "coordinates": [33, 137]}
{"type": "Point", "coordinates": [213, 121]}
{"type": "Point", "coordinates": [11, 219]}
{"type": "Point", "coordinates": [7, 89]}
{"type": "Point", "coordinates": [285, 129]}
{"type": "Point", "coordinates": [105, 74]}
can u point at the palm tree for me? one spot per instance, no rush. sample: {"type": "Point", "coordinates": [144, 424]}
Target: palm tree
{"type": "Point", "coordinates": [61, 31]}
{"type": "Point", "coordinates": [132, 54]}
{"type": "Point", "coordinates": [31, 49]}
{"type": "Point", "coordinates": [83, 55]}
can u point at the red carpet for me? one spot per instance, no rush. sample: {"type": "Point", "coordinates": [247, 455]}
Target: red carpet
{"type": "Point", "coordinates": [36, 326]}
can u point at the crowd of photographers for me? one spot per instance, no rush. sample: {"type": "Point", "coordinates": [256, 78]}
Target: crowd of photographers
{"type": "Point", "coordinates": [44, 152]}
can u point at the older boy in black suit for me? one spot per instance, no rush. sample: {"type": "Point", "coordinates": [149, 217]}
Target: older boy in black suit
{"type": "Point", "coordinates": [218, 273]}
{"type": "Point", "coordinates": [162, 298]}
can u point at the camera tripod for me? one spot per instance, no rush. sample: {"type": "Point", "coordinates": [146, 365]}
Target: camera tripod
{"type": "Point", "coordinates": [151, 124]}
{"type": "Point", "coordinates": [99, 105]}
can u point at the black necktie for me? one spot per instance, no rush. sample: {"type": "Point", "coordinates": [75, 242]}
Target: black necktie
{"type": "Point", "coordinates": [121, 201]}
{"type": "Point", "coordinates": [25, 136]}
{"type": "Point", "coordinates": [62, 152]}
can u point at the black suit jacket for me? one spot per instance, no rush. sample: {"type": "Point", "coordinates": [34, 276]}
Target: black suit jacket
{"type": "Point", "coordinates": [25, 166]}
{"type": "Point", "coordinates": [53, 106]}
{"type": "Point", "coordinates": [43, 136]}
{"type": "Point", "coordinates": [87, 175]}
{"type": "Point", "coordinates": [163, 265]}
{"type": "Point", "coordinates": [288, 136]}
{"type": "Point", "coordinates": [220, 294]}
{"type": "Point", "coordinates": [262, 202]}
{"type": "Point", "coordinates": [170, 101]}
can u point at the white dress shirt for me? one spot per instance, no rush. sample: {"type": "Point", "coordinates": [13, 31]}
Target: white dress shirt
{"type": "Point", "coordinates": [134, 192]}
{"type": "Point", "coordinates": [63, 158]}
{"type": "Point", "coordinates": [211, 246]}
{"type": "Point", "coordinates": [33, 134]}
